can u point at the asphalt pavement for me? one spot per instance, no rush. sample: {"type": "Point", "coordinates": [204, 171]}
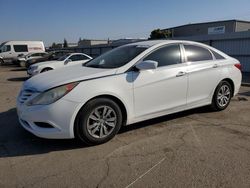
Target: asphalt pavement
{"type": "Point", "coordinates": [195, 148]}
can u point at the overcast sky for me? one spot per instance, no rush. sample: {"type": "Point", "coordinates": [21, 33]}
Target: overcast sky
{"type": "Point", "coordinates": [54, 20]}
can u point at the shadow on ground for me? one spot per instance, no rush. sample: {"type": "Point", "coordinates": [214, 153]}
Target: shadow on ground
{"type": "Point", "coordinates": [15, 141]}
{"type": "Point", "coordinates": [17, 70]}
{"type": "Point", "coordinates": [18, 79]}
{"type": "Point", "coordinates": [247, 93]}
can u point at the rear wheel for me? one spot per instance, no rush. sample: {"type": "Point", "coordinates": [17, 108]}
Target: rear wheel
{"type": "Point", "coordinates": [1, 62]}
{"type": "Point", "coordinates": [99, 121]}
{"type": "Point", "coordinates": [222, 96]}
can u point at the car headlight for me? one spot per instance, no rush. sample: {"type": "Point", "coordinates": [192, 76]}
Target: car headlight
{"type": "Point", "coordinates": [52, 95]}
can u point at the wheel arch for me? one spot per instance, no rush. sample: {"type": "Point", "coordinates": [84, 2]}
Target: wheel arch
{"type": "Point", "coordinates": [50, 68]}
{"type": "Point", "coordinates": [109, 96]}
{"type": "Point", "coordinates": [230, 81]}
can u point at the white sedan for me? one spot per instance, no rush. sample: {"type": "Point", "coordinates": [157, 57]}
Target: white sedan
{"type": "Point", "coordinates": [23, 58]}
{"type": "Point", "coordinates": [126, 85]}
{"type": "Point", "coordinates": [64, 61]}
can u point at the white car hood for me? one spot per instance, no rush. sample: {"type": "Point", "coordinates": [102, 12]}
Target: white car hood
{"type": "Point", "coordinates": [50, 79]}
{"type": "Point", "coordinates": [46, 63]}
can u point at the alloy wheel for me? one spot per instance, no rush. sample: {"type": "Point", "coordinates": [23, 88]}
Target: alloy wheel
{"type": "Point", "coordinates": [101, 122]}
{"type": "Point", "coordinates": [224, 95]}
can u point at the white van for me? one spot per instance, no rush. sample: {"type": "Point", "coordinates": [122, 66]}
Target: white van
{"type": "Point", "coordinates": [9, 51]}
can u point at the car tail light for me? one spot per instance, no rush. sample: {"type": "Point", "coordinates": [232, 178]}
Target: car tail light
{"type": "Point", "coordinates": [238, 66]}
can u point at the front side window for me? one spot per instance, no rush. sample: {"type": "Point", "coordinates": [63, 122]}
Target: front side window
{"type": "Point", "coordinates": [168, 55]}
{"type": "Point", "coordinates": [62, 58]}
{"type": "Point", "coordinates": [5, 48]}
{"type": "Point", "coordinates": [20, 48]}
{"type": "Point", "coordinates": [117, 57]}
{"type": "Point", "coordinates": [196, 53]}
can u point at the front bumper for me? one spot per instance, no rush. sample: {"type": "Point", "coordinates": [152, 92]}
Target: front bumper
{"type": "Point", "coordinates": [60, 115]}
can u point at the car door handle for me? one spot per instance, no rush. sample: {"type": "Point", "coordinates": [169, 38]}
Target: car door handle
{"type": "Point", "coordinates": [215, 66]}
{"type": "Point", "coordinates": [181, 73]}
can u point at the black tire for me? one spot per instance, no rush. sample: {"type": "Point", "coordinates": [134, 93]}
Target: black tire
{"type": "Point", "coordinates": [1, 62]}
{"type": "Point", "coordinates": [216, 103]}
{"type": "Point", "coordinates": [27, 65]}
{"type": "Point", "coordinates": [46, 69]}
{"type": "Point", "coordinates": [83, 117]}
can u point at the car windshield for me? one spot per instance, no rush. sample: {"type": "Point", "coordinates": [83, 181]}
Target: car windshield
{"type": "Point", "coordinates": [62, 58]}
{"type": "Point", "coordinates": [26, 56]}
{"type": "Point", "coordinates": [1, 46]}
{"type": "Point", "coordinates": [116, 57]}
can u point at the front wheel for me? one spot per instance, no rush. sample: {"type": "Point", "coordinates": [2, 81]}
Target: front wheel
{"type": "Point", "coordinates": [99, 121]}
{"type": "Point", "coordinates": [22, 63]}
{"type": "Point", "coordinates": [222, 96]}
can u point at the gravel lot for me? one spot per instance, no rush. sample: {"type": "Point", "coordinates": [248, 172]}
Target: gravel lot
{"type": "Point", "coordinates": [196, 148]}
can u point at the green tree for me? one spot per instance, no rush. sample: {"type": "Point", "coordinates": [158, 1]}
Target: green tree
{"type": "Point", "coordinates": [160, 34]}
{"type": "Point", "coordinates": [65, 43]}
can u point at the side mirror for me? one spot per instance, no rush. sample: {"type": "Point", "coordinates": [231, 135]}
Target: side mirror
{"type": "Point", "coordinates": [147, 65]}
{"type": "Point", "coordinates": [67, 61]}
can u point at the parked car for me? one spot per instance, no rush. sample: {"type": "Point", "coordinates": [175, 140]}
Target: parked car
{"type": "Point", "coordinates": [9, 51]}
{"type": "Point", "coordinates": [128, 84]}
{"type": "Point", "coordinates": [54, 55]}
{"type": "Point", "coordinates": [64, 61]}
{"type": "Point", "coordinates": [21, 59]}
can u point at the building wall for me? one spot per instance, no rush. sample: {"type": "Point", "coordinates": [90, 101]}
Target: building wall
{"type": "Point", "coordinates": [201, 29]}
{"type": "Point", "coordinates": [242, 26]}
{"type": "Point", "coordinates": [92, 42]}
{"type": "Point", "coordinates": [235, 44]}
{"type": "Point", "coordinates": [96, 42]}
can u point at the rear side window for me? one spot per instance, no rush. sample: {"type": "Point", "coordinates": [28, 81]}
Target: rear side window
{"type": "Point", "coordinates": [20, 48]}
{"type": "Point", "coordinates": [217, 56]}
{"type": "Point", "coordinates": [168, 55]}
{"type": "Point", "coordinates": [196, 53]}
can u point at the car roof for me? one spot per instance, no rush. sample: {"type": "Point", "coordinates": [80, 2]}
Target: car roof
{"type": "Point", "coordinates": [77, 54]}
{"type": "Point", "coordinates": [151, 43]}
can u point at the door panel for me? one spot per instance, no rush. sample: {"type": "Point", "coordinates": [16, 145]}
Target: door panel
{"type": "Point", "coordinates": [203, 78]}
{"type": "Point", "coordinates": [160, 89]}
{"type": "Point", "coordinates": [203, 74]}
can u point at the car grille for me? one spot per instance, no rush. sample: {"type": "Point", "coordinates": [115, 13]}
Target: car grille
{"type": "Point", "coordinates": [25, 95]}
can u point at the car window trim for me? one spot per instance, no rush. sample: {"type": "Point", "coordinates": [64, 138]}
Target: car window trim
{"type": "Point", "coordinates": [186, 60]}
{"type": "Point", "coordinates": [132, 68]}
{"type": "Point", "coordinates": [213, 52]}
